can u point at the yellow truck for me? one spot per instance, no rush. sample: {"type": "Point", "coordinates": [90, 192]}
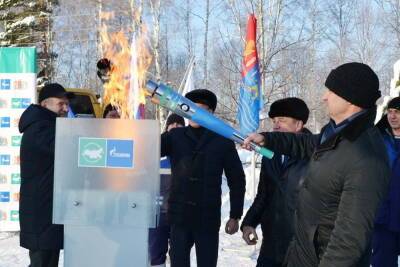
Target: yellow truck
{"type": "Point", "coordinates": [86, 103]}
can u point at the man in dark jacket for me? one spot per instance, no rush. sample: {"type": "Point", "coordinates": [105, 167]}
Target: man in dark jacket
{"type": "Point", "coordinates": [198, 159]}
{"type": "Point", "coordinates": [386, 237]}
{"type": "Point", "coordinates": [276, 197]}
{"type": "Point", "coordinates": [347, 175]}
{"type": "Point", "coordinates": [43, 239]}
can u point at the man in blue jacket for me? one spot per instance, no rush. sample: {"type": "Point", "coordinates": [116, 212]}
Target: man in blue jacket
{"type": "Point", "coordinates": [198, 158]}
{"type": "Point", "coordinates": [386, 237]}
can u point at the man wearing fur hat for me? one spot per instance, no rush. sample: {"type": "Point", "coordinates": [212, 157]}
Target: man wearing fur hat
{"type": "Point", "coordinates": [198, 158]}
{"type": "Point", "coordinates": [347, 174]}
{"type": "Point", "coordinates": [275, 201]}
{"type": "Point", "coordinates": [386, 237]}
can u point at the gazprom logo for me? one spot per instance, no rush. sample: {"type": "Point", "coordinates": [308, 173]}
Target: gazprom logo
{"type": "Point", "coordinates": [4, 122]}
{"type": "Point", "coordinates": [106, 153]}
{"type": "Point", "coordinates": [120, 153]}
{"type": "Point", "coordinates": [5, 159]}
{"type": "Point", "coordinates": [5, 84]}
{"type": "Point", "coordinates": [115, 154]}
{"type": "Point", "coordinates": [4, 196]}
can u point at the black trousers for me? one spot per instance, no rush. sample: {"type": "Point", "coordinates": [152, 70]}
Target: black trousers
{"type": "Point", "coordinates": [265, 261]}
{"type": "Point", "coordinates": [205, 242]}
{"type": "Point", "coordinates": [44, 258]}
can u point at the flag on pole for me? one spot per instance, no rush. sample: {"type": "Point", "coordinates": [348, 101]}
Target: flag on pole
{"type": "Point", "coordinates": [250, 88]}
{"type": "Point", "coordinates": [189, 84]}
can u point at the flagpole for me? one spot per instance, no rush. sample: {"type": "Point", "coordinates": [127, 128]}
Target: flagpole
{"type": "Point", "coordinates": [183, 82]}
{"type": "Point", "coordinates": [250, 101]}
{"type": "Point", "coordinates": [254, 191]}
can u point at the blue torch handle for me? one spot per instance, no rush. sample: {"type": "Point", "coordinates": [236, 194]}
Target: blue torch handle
{"type": "Point", "coordinates": [171, 100]}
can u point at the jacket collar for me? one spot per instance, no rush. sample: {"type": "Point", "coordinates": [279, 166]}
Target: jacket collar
{"type": "Point", "coordinates": [200, 142]}
{"type": "Point", "coordinates": [351, 132]}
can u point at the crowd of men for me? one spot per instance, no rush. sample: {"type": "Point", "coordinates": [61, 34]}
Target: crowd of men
{"type": "Point", "coordinates": [328, 199]}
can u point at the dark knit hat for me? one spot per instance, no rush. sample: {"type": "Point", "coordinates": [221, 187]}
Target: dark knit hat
{"type": "Point", "coordinates": [292, 107]}
{"type": "Point", "coordinates": [54, 90]}
{"type": "Point", "coordinates": [174, 118]}
{"type": "Point", "coordinates": [356, 83]}
{"type": "Point", "coordinates": [203, 96]}
{"type": "Point", "coordinates": [394, 103]}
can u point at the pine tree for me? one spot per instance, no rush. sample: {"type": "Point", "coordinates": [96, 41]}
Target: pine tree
{"type": "Point", "coordinates": [28, 23]}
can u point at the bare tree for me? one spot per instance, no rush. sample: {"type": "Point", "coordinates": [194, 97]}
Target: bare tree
{"type": "Point", "coordinates": [155, 7]}
{"type": "Point", "coordinates": [391, 18]}
{"type": "Point", "coordinates": [340, 21]}
{"type": "Point", "coordinates": [189, 36]}
{"type": "Point", "coordinates": [205, 53]}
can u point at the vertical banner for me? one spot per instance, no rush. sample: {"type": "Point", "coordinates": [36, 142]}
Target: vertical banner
{"type": "Point", "coordinates": [250, 101]}
{"type": "Point", "coordinates": [17, 92]}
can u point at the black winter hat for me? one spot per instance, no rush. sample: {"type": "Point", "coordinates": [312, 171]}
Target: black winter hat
{"type": "Point", "coordinates": [54, 90]}
{"type": "Point", "coordinates": [174, 118]}
{"type": "Point", "coordinates": [203, 96]}
{"type": "Point", "coordinates": [394, 103]}
{"type": "Point", "coordinates": [292, 107]}
{"type": "Point", "coordinates": [356, 83]}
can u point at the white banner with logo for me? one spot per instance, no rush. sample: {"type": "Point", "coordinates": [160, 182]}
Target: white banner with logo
{"type": "Point", "coordinates": [17, 92]}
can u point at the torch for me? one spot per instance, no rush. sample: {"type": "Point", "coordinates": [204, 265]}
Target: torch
{"type": "Point", "coordinates": [104, 68]}
{"type": "Point", "coordinates": [166, 97]}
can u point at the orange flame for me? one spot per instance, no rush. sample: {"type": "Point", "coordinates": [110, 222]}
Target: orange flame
{"type": "Point", "coordinates": [130, 59]}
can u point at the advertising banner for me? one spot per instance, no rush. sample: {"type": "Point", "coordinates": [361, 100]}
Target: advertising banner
{"type": "Point", "coordinates": [17, 92]}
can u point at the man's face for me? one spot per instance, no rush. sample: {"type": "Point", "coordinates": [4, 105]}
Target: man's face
{"type": "Point", "coordinates": [194, 124]}
{"type": "Point", "coordinates": [174, 125]}
{"type": "Point", "coordinates": [337, 107]}
{"type": "Point", "coordinates": [57, 105]}
{"type": "Point", "coordinates": [286, 124]}
{"type": "Point", "coordinates": [393, 116]}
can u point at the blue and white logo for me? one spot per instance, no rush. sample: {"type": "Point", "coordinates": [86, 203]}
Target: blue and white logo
{"type": "Point", "coordinates": [4, 122]}
{"type": "Point", "coordinates": [5, 160]}
{"type": "Point", "coordinates": [20, 102]}
{"type": "Point", "coordinates": [25, 102]}
{"type": "Point", "coordinates": [4, 196]}
{"type": "Point", "coordinates": [5, 84]}
{"type": "Point", "coordinates": [120, 153]}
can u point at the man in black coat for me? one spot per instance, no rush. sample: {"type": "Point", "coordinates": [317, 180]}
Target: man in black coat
{"type": "Point", "coordinates": [347, 175]}
{"type": "Point", "coordinates": [198, 159]}
{"type": "Point", "coordinates": [38, 122]}
{"type": "Point", "coordinates": [275, 202]}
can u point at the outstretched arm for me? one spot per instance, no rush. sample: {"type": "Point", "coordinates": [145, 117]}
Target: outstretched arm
{"type": "Point", "coordinates": [298, 146]}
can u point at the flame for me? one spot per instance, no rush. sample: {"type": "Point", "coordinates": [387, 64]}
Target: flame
{"type": "Point", "coordinates": [130, 59]}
